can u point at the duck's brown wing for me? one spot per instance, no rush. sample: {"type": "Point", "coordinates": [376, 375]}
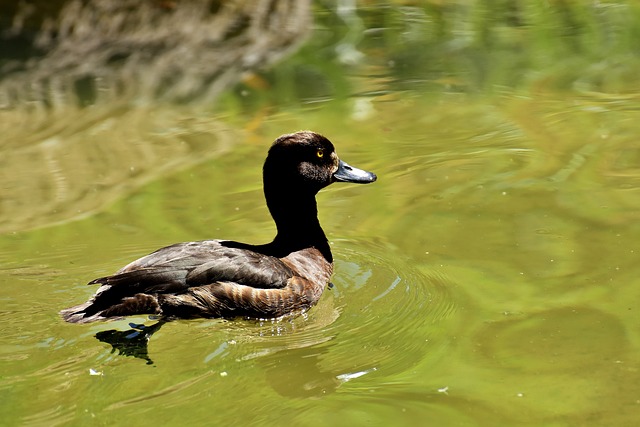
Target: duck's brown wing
{"type": "Point", "coordinates": [199, 263]}
{"type": "Point", "coordinates": [173, 270]}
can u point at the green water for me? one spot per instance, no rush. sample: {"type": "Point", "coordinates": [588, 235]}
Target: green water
{"type": "Point", "coordinates": [489, 277]}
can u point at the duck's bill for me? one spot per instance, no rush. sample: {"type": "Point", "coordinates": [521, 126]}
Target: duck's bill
{"type": "Point", "coordinates": [346, 173]}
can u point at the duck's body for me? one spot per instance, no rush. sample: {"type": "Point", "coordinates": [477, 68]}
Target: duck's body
{"type": "Point", "coordinates": [221, 278]}
{"type": "Point", "coordinates": [210, 278]}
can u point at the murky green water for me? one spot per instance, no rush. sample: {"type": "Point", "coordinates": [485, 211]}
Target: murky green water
{"type": "Point", "coordinates": [489, 277]}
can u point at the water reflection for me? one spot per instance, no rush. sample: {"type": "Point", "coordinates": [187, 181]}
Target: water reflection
{"type": "Point", "coordinates": [79, 130]}
{"type": "Point", "coordinates": [299, 374]}
{"type": "Point", "coordinates": [131, 342]}
{"type": "Point", "coordinates": [62, 175]}
{"type": "Point", "coordinates": [104, 51]}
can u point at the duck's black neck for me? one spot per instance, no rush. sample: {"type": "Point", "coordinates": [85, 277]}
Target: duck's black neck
{"type": "Point", "coordinates": [296, 216]}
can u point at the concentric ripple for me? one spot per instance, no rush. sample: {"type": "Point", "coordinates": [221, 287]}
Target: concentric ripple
{"type": "Point", "coordinates": [381, 316]}
{"type": "Point", "coordinates": [391, 313]}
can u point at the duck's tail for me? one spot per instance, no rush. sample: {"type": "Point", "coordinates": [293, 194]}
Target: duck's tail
{"type": "Point", "coordinates": [80, 314]}
{"type": "Point", "coordinates": [92, 310]}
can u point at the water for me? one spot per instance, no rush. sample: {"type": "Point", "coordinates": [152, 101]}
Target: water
{"type": "Point", "coordinates": [489, 277]}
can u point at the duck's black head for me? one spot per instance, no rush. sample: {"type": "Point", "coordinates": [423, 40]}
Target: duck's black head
{"type": "Point", "coordinates": [297, 167]}
{"type": "Point", "coordinates": [306, 162]}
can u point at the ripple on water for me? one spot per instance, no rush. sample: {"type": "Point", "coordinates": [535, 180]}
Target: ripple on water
{"type": "Point", "coordinates": [381, 317]}
{"type": "Point", "coordinates": [391, 312]}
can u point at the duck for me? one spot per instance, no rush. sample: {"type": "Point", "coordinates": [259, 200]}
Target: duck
{"type": "Point", "coordinates": [229, 279]}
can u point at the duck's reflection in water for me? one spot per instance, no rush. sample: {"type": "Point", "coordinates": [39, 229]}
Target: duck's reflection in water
{"type": "Point", "coordinates": [297, 372]}
{"type": "Point", "coordinates": [131, 342]}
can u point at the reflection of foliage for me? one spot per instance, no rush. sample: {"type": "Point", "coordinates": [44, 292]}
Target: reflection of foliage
{"type": "Point", "coordinates": [61, 160]}
{"type": "Point", "coordinates": [458, 46]}
{"type": "Point", "coordinates": [462, 47]}
{"type": "Point", "coordinates": [85, 52]}
{"type": "Point", "coordinates": [478, 46]}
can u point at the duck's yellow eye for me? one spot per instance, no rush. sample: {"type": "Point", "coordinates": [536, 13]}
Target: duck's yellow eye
{"type": "Point", "coordinates": [320, 154]}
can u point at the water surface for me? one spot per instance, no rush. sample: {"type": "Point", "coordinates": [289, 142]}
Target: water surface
{"type": "Point", "coordinates": [489, 277]}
